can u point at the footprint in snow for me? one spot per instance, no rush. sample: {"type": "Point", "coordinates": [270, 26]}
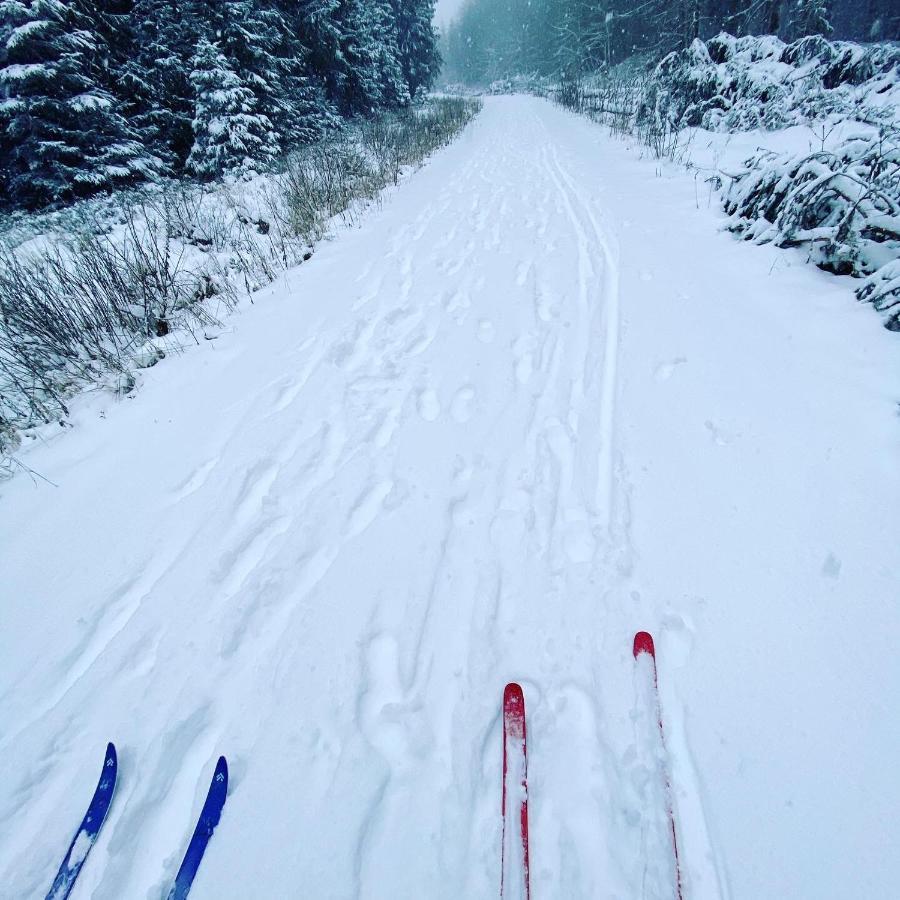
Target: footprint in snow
{"type": "Point", "coordinates": [831, 568]}
{"type": "Point", "coordinates": [579, 542]}
{"type": "Point", "coordinates": [546, 309]}
{"type": "Point", "coordinates": [719, 435]}
{"type": "Point", "coordinates": [664, 371]}
{"type": "Point", "coordinates": [390, 722]}
{"type": "Point", "coordinates": [522, 272]}
{"type": "Point", "coordinates": [458, 307]}
{"type": "Point", "coordinates": [523, 350]}
{"type": "Point", "coordinates": [462, 472]}
{"type": "Point", "coordinates": [485, 331]}
{"type": "Point", "coordinates": [428, 405]}
{"type": "Point", "coordinates": [677, 638]}
{"type": "Point", "coordinates": [461, 407]}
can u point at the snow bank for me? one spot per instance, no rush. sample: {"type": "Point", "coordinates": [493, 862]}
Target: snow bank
{"type": "Point", "coordinates": [842, 205]}
{"type": "Point", "coordinates": [838, 197]}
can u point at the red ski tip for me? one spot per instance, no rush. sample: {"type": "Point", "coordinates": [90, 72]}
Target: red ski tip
{"type": "Point", "coordinates": [514, 710]}
{"type": "Point", "coordinates": [643, 643]}
{"type": "Point", "coordinates": [514, 855]}
{"type": "Point", "coordinates": [513, 696]}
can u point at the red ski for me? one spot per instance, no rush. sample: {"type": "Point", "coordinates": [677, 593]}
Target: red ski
{"type": "Point", "coordinates": [514, 860]}
{"type": "Point", "coordinates": [643, 643]}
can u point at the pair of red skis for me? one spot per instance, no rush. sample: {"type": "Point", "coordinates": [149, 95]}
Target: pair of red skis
{"type": "Point", "coordinates": [514, 879]}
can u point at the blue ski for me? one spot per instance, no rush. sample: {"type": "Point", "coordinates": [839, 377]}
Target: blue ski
{"type": "Point", "coordinates": [209, 818]}
{"type": "Point", "coordinates": [89, 829]}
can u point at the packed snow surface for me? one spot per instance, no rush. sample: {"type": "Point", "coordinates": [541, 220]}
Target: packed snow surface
{"type": "Point", "coordinates": [535, 403]}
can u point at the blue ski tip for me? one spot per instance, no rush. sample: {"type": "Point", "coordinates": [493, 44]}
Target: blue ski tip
{"type": "Point", "coordinates": [89, 829]}
{"type": "Point", "coordinates": [206, 824]}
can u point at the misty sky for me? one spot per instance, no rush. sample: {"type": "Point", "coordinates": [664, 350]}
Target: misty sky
{"type": "Point", "coordinates": [446, 10]}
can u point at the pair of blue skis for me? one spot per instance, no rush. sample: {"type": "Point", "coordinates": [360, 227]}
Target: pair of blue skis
{"type": "Point", "coordinates": [90, 826]}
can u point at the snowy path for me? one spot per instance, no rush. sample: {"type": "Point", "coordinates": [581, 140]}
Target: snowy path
{"type": "Point", "coordinates": [533, 404]}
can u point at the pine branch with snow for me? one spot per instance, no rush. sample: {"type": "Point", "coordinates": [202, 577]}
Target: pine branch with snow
{"type": "Point", "coordinates": [230, 135]}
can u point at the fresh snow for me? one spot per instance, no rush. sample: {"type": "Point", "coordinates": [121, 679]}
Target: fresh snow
{"type": "Point", "coordinates": [80, 848]}
{"type": "Point", "coordinates": [533, 404]}
{"type": "Point", "coordinates": [513, 877]}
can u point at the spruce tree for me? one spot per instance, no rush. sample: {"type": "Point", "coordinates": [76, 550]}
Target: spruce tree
{"type": "Point", "coordinates": [63, 132]}
{"type": "Point", "coordinates": [258, 42]}
{"type": "Point", "coordinates": [316, 24]}
{"type": "Point", "coordinates": [304, 113]}
{"type": "Point", "coordinates": [248, 36]}
{"type": "Point", "coordinates": [417, 47]}
{"type": "Point", "coordinates": [358, 61]}
{"type": "Point", "coordinates": [156, 78]}
{"type": "Point", "coordinates": [230, 135]}
{"type": "Point", "coordinates": [810, 17]}
{"type": "Point", "coordinates": [394, 88]}
{"type": "Point", "coordinates": [10, 17]}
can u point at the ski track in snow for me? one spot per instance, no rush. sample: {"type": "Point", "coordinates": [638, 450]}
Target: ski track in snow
{"type": "Point", "coordinates": [466, 444]}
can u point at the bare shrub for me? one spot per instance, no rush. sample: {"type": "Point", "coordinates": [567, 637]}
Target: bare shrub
{"type": "Point", "coordinates": [328, 179]}
{"type": "Point", "coordinates": [407, 137]}
{"type": "Point", "coordinates": [83, 307]}
{"type": "Point", "coordinates": [322, 181]}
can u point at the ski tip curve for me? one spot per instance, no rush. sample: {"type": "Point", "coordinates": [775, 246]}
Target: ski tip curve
{"type": "Point", "coordinates": [219, 785]}
{"type": "Point", "coordinates": [512, 695]}
{"type": "Point", "coordinates": [112, 758]}
{"type": "Point", "coordinates": [643, 643]}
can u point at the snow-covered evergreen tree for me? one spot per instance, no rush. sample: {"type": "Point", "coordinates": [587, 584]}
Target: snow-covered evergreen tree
{"type": "Point", "coordinates": [394, 88]}
{"type": "Point", "coordinates": [304, 112]}
{"type": "Point", "coordinates": [156, 76]}
{"type": "Point", "coordinates": [96, 93]}
{"type": "Point", "coordinates": [810, 17]}
{"type": "Point", "coordinates": [259, 43]}
{"type": "Point", "coordinates": [248, 35]}
{"type": "Point", "coordinates": [360, 77]}
{"type": "Point", "coordinates": [230, 134]}
{"type": "Point", "coordinates": [416, 43]}
{"type": "Point", "coordinates": [9, 19]}
{"type": "Point", "coordinates": [64, 134]}
{"type": "Point", "coordinates": [317, 28]}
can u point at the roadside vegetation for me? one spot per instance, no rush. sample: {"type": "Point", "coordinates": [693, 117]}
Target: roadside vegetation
{"type": "Point", "coordinates": [92, 293]}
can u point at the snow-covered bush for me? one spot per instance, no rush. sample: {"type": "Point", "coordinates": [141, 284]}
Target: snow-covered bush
{"type": "Point", "coordinates": [737, 84]}
{"type": "Point", "coordinates": [882, 290]}
{"type": "Point", "coordinates": [326, 179]}
{"type": "Point", "coordinates": [843, 205]}
{"type": "Point", "coordinates": [408, 136]}
{"type": "Point", "coordinates": [321, 182]}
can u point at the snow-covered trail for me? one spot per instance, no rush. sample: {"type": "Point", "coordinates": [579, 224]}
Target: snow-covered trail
{"type": "Point", "coordinates": [533, 404]}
